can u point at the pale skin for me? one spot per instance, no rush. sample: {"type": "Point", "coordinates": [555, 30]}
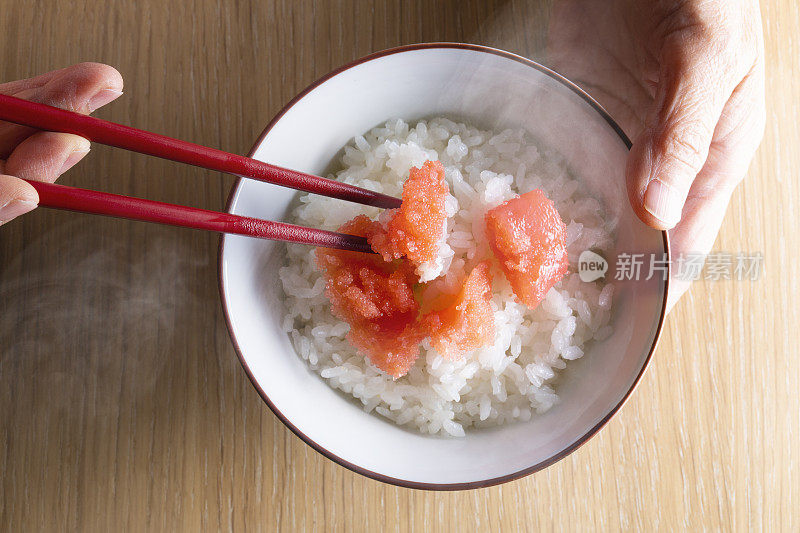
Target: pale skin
{"type": "Point", "coordinates": [44, 156]}
{"type": "Point", "coordinates": [684, 78]}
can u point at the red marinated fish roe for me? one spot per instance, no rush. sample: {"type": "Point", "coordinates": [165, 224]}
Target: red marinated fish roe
{"type": "Point", "coordinates": [375, 297]}
{"type": "Point", "coordinates": [528, 238]}
{"type": "Point", "coordinates": [415, 229]}
{"type": "Point", "coordinates": [467, 322]}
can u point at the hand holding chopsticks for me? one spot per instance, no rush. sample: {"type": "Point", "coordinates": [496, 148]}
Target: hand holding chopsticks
{"type": "Point", "coordinates": [49, 118]}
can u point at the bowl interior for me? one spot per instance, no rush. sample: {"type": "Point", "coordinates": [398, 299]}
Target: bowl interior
{"type": "Point", "coordinates": [490, 90]}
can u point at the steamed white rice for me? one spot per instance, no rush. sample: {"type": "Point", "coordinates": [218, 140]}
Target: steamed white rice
{"type": "Point", "coordinates": [516, 376]}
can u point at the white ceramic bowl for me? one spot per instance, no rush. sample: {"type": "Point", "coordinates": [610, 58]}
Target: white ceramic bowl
{"type": "Point", "coordinates": [488, 88]}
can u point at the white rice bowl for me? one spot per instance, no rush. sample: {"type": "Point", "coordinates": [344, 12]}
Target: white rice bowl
{"type": "Point", "coordinates": [517, 376]}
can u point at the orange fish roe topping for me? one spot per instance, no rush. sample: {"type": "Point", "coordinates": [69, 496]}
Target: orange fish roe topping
{"type": "Point", "coordinates": [528, 238]}
{"type": "Point", "coordinates": [375, 297]}
{"type": "Point", "coordinates": [467, 322]}
{"type": "Point", "coordinates": [415, 229]}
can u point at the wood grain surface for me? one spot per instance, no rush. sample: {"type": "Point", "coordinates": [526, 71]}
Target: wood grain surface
{"type": "Point", "coordinates": [122, 402]}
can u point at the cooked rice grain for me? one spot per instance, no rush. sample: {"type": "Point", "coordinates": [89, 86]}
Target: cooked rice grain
{"type": "Point", "coordinates": [515, 377]}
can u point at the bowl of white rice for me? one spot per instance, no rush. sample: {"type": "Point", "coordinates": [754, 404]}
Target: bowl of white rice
{"type": "Point", "coordinates": [552, 376]}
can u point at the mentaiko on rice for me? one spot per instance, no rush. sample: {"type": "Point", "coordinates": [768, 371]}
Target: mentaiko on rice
{"type": "Point", "coordinates": [504, 380]}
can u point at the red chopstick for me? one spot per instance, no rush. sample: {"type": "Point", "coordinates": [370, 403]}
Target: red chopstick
{"type": "Point", "coordinates": [114, 205]}
{"type": "Point", "coordinates": [49, 118]}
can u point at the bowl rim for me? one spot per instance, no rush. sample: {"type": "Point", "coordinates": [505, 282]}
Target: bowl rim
{"type": "Point", "coordinates": [354, 467]}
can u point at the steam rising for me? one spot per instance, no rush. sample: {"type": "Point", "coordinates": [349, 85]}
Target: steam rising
{"type": "Point", "coordinates": [97, 314]}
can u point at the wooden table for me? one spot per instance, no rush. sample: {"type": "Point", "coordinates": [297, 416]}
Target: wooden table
{"type": "Point", "coordinates": [122, 402]}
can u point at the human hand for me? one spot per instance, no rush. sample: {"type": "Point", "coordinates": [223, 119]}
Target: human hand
{"type": "Point", "coordinates": [44, 156]}
{"type": "Point", "coordinates": [685, 79]}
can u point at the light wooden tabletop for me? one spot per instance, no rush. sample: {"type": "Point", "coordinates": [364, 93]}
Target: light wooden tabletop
{"type": "Point", "coordinates": [122, 402]}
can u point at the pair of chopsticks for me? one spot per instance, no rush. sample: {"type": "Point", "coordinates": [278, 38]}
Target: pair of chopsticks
{"type": "Point", "coordinates": [44, 117]}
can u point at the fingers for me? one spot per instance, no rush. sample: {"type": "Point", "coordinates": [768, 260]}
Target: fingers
{"type": "Point", "coordinates": [45, 155]}
{"type": "Point", "coordinates": [16, 198]}
{"type": "Point", "coordinates": [672, 149]}
{"type": "Point", "coordinates": [696, 233]}
{"type": "Point", "coordinates": [82, 88]}
{"type": "Point", "coordinates": [14, 87]}
{"type": "Point", "coordinates": [737, 137]}
{"type": "Point", "coordinates": [701, 63]}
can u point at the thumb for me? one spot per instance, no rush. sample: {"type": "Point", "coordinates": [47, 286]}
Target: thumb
{"type": "Point", "coordinates": [673, 147]}
{"type": "Point", "coordinates": [16, 198]}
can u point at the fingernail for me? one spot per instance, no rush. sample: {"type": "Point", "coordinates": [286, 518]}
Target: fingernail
{"type": "Point", "coordinates": [663, 202]}
{"type": "Point", "coordinates": [102, 98]}
{"type": "Point", "coordinates": [15, 208]}
{"type": "Point", "coordinates": [73, 159]}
